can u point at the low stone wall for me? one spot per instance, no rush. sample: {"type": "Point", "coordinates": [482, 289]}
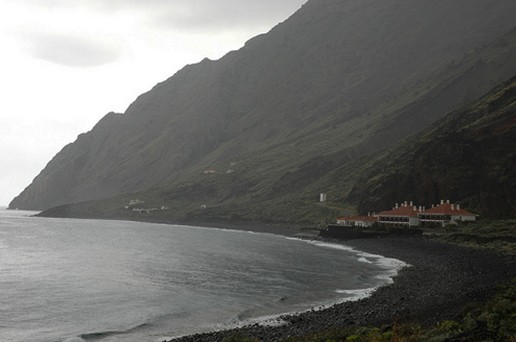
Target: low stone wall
{"type": "Point", "coordinates": [347, 233]}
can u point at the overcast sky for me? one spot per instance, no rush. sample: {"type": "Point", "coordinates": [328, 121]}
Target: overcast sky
{"type": "Point", "coordinates": [64, 64]}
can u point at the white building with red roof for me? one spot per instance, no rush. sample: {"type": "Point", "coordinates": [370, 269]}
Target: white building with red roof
{"type": "Point", "coordinates": [357, 221]}
{"type": "Point", "coordinates": [445, 213]}
{"type": "Point", "coordinates": [405, 215]}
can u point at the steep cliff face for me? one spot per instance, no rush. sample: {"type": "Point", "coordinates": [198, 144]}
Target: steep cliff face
{"type": "Point", "coordinates": [469, 157]}
{"type": "Point", "coordinates": [338, 77]}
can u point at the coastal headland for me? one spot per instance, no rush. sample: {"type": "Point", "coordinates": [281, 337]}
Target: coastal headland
{"type": "Point", "coordinates": [442, 283]}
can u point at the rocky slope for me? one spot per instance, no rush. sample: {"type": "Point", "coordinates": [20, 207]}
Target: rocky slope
{"type": "Point", "coordinates": [264, 124]}
{"type": "Point", "coordinates": [469, 156]}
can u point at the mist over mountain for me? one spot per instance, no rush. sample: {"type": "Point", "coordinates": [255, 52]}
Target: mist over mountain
{"type": "Point", "coordinates": [260, 132]}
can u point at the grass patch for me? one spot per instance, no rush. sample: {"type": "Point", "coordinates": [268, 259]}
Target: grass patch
{"type": "Point", "coordinates": [497, 235]}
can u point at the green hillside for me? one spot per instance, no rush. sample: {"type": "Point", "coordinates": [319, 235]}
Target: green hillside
{"type": "Point", "coordinates": [258, 134]}
{"type": "Point", "coordinates": [469, 156]}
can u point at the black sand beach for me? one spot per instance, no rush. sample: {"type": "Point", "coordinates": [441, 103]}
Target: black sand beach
{"type": "Point", "coordinates": [441, 282]}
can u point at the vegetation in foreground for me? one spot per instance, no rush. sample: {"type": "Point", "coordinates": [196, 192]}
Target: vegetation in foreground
{"type": "Point", "coordinates": [498, 235]}
{"type": "Point", "coordinates": [494, 321]}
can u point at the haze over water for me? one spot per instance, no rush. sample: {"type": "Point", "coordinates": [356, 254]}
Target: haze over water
{"type": "Point", "coordinates": [64, 279]}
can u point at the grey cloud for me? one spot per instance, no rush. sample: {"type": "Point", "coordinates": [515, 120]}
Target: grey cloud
{"type": "Point", "coordinates": [189, 14]}
{"type": "Point", "coordinates": [225, 14]}
{"type": "Point", "coordinates": [142, 4]}
{"type": "Point", "coordinates": [69, 50]}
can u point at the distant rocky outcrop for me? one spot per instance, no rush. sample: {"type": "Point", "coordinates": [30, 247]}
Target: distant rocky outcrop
{"type": "Point", "coordinates": [468, 156]}
{"type": "Point", "coordinates": [337, 81]}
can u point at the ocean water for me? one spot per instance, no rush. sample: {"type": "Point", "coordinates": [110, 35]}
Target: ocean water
{"type": "Point", "coordinates": [90, 280]}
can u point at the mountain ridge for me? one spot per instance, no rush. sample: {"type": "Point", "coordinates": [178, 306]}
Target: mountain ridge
{"type": "Point", "coordinates": [273, 113]}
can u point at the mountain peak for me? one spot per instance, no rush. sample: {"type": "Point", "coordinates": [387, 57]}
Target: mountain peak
{"type": "Point", "coordinates": [336, 81]}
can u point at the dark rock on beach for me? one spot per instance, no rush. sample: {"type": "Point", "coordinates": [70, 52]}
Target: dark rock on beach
{"type": "Point", "coordinates": [440, 283]}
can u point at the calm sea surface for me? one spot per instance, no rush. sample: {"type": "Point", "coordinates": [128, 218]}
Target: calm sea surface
{"type": "Point", "coordinates": [74, 280]}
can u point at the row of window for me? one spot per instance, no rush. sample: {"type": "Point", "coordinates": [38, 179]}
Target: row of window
{"type": "Point", "coordinates": [393, 219]}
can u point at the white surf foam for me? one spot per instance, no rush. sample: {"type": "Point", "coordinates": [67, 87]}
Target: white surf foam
{"type": "Point", "coordinates": [390, 265]}
{"type": "Point", "coordinates": [74, 339]}
{"type": "Point", "coordinates": [367, 261]}
{"type": "Point", "coordinates": [357, 294]}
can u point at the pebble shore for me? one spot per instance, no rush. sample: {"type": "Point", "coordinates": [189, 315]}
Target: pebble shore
{"type": "Point", "coordinates": [441, 281]}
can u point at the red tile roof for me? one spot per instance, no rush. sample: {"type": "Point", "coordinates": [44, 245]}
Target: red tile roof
{"type": "Point", "coordinates": [446, 209]}
{"type": "Point", "coordinates": [358, 218]}
{"type": "Point", "coordinates": [403, 211]}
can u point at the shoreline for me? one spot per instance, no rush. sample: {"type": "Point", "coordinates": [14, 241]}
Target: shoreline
{"type": "Point", "coordinates": [284, 229]}
{"type": "Point", "coordinates": [442, 280]}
